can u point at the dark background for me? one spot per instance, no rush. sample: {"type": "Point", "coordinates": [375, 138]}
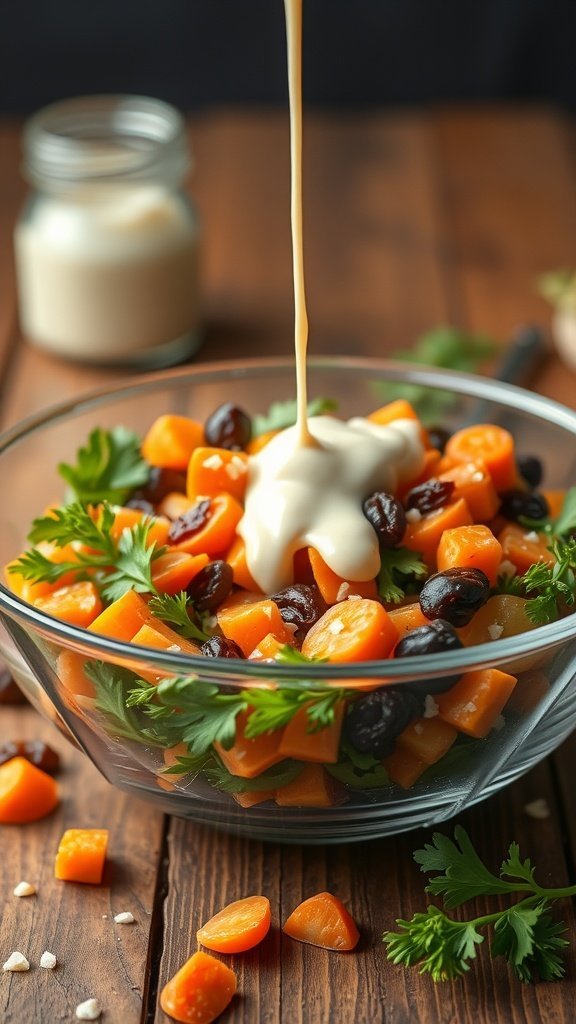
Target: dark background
{"type": "Point", "coordinates": [198, 53]}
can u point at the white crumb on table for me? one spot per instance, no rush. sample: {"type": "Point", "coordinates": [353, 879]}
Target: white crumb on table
{"type": "Point", "coordinates": [124, 918]}
{"type": "Point", "coordinates": [48, 961]}
{"type": "Point", "coordinates": [90, 1009]}
{"type": "Point", "coordinates": [16, 962]}
{"type": "Point", "coordinates": [537, 809]}
{"type": "Point", "coordinates": [25, 889]}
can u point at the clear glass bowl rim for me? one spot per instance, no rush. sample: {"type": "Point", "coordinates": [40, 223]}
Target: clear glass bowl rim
{"type": "Point", "coordinates": [238, 671]}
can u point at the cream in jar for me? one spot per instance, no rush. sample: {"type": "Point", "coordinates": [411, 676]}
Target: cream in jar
{"type": "Point", "coordinates": [107, 251]}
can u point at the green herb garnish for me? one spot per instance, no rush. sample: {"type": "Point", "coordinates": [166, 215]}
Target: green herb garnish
{"type": "Point", "coordinates": [555, 585]}
{"type": "Point", "coordinates": [525, 934]}
{"type": "Point", "coordinates": [176, 610]}
{"type": "Point", "coordinates": [283, 414]}
{"type": "Point", "coordinates": [108, 468]}
{"type": "Point", "coordinates": [112, 685]}
{"type": "Point", "coordinates": [218, 776]}
{"type": "Point", "coordinates": [398, 567]}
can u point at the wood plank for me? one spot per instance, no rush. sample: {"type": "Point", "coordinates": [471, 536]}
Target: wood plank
{"type": "Point", "coordinates": [96, 957]}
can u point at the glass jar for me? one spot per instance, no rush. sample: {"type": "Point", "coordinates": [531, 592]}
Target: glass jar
{"type": "Point", "coordinates": [107, 246]}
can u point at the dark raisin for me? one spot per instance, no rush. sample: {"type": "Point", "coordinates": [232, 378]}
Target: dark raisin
{"type": "Point", "coordinates": [190, 522]}
{"type": "Point", "coordinates": [375, 721]}
{"type": "Point", "coordinates": [387, 516]}
{"type": "Point", "coordinates": [10, 693]}
{"type": "Point", "coordinates": [160, 483]}
{"type": "Point", "coordinates": [228, 427]}
{"type": "Point", "coordinates": [142, 505]}
{"type": "Point", "coordinates": [430, 495]}
{"type": "Point", "coordinates": [438, 437]}
{"type": "Point", "coordinates": [515, 504]}
{"type": "Point", "coordinates": [454, 595]}
{"type": "Point", "coordinates": [432, 638]}
{"type": "Point", "coordinates": [220, 647]}
{"type": "Point", "coordinates": [530, 468]}
{"type": "Point", "coordinates": [36, 751]}
{"type": "Point", "coordinates": [211, 586]}
{"type": "Point", "coordinates": [300, 605]}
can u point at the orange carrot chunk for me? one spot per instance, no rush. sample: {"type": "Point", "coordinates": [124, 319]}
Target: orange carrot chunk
{"type": "Point", "coordinates": [213, 470]}
{"type": "Point", "coordinates": [236, 559]}
{"type": "Point", "coordinates": [404, 768]}
{"type": "Point", "coordinates": [249, 757]}
{"type": "Point", "coordinates": [239, 926]}
{"type": "Point", "coordinates": [26, 792]}
{"type": "Point", "coordinates": [123, 618]}
{"type": "Point", "coordinates": [313, 787]}
{"type": "Point", "coordinates": [200, 991]}
{"type": "Point", "coordinates": [473, 482]}
{"type": "Point", "coordinates": [334, 587]}
{"type": "Point", "coordinates": [490, 443]}
{"type": "Point", "coordinates": [320, 746]}
{"type": "Point", "coordinates": [171, 440]}
{"type": "Point", "coordinates": [173, 571]}
{"type": "Point", "coordinates": [427, 739]}
{"type": "Point", "coordinates": [247, 624]}
{"type": "Point", "coordinates": [82, 855]}
{"type": "Point", "coordinates": [470, 547]}
{"type": "Point", "coordinates": [78, 603]}
{"type": "Point", "coordinates": [476, 700]}
{"type": "Point", "coordinates": [425, 534]}
{"type": "Point", "coordinates": [216, 535]}
{"type": "Point", "coordinates": [407, 618]}
{"type": "Point", "coordinates": [521, 547]}
{"type": "Point", "coordinates": [323, 920]}
{"type": "Point", "coordinates": [351, 631]}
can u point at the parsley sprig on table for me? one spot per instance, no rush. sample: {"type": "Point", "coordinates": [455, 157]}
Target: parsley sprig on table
{"type": "Point", "coordinates": [398, 567]}
{"type": "Point", "coordinates": [108, 468]}
{"type": "Point", "coordinates": [525, 934]}
{"type": "Point", "coordinates": [120, 565]}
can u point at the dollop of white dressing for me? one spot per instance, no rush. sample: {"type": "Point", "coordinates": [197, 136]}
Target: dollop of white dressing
{"type": "Point", "coordinates": [311, 495]}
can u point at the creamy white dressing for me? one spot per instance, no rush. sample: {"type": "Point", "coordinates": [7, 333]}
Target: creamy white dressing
{"type": "Point", "coordinates": [307, 486]}
{"type": "Point", "coordinates": [311, 496]}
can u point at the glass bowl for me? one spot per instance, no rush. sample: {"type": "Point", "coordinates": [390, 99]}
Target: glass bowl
{"type": "Point", "coordinates": [125, 746]}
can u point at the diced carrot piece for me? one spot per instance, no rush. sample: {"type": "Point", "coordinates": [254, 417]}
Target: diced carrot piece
{"type": "Point", "coordinates": [173, 571]}
{"type": "Point", "coordinates": [427, 739]}
{"type": "Point", "coordinates": [30, 591]}
{"type": "Point", "coordinates": [313, 787]}
{"type": "Point", "coordinates": [503, 615]}
{"type": "Point", "coordinates": [320, 746]}
{"type": "Point", "coordinates": [215, 537]}
{"type": "Point", "coordinates": [428, 469]}
{"type": "Point", "coordinates": [163, 639]}
{"type": "Point", "coordinates": [252, 797]}
{"type": "Point", "coordinates": [82, 855]}
{"type": "Point", "coordinates": [322, 920]}
{"type": "Point", "coordinates": [425, 534]}
{"type": "Point", "coordinates": [123, 618]}
{"type": "Point", "coordinates": [126, 518]}
{"type": "Point", "coordinates": [248, 624]}
{"type": "Point", "coordinates": [250, 757]}
{"type": "Point", "coordinates": [470, 547]}
{"type": "Point", "coordinates": [404, 768]}
{"type": "Point", "coordinates": [555, 501]}
{"type": "Point", "coordinates": [474, 703]}
{"type": "Point", "coordinates": [213, 470]}
{"type": "Point", "coordinates": [236, 559]}
{"type": "Point", "coordinates": [79, 603]}
{"type": "Point", "coordinates": [490, 443]}
{"type": "Point", "coordinates": [266, 648]}
{"type": "Point", "coordinates": [70, 672]}
{"type": "Point", "coordinates": [400, 409]}
{"type": "Point", "coordinates": [407, 618]}
{"type": "Point", "coordinates": [333, 587]}
{"type": "Point", "coordinates": [523, 549]}
{"type": "Point", "coordinates": [240, 926]}
{"type": "Point", "coordinates": [175, 504]}
{"type": "Point", "coordinates": [200, 991]}
{"type": "Point", "coordinates": [351, 631]}
{"type": "Point", "coordinates": [26, 793]}
{"type": "Point", "coordinates": [171, 440]}
{"type": "Point", "coordinates": [473, 482]}
{"type": "Point", "coordinates": [258, 443]}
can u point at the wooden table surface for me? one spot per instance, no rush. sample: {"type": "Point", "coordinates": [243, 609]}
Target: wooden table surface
{"type": "Point", "coordinates": [410, 221]}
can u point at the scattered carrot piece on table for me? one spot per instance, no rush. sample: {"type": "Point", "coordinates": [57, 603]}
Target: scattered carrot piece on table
{"type": "Point", "coordinates": [238, 927]}
{"type": "Point", "coordinates": [322, 920]}
{"type": "Point", "coordinates": [26, 793]}
{"type": "Point", "coordinates": [81, 855]}
{"type": "Point", "coordinates": [199, 991]}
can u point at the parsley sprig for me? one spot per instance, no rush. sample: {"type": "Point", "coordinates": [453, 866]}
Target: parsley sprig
{"type": "Point", "coordinates": [108, 468]}
{"type": "Point", "coordinates": [118, 564]}
{"type": "Point", "coordinates": [525, 934]}
{"type": "Point", "coordinates": [283, 414]}
{"type": "Point", "coordinates": [398, 567]}
{"type": "Point", "coordinates": [177, 610]}
{"type": "Point", "coordinates": [553, 586]}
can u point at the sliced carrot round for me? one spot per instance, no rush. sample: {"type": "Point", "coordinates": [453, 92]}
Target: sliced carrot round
{"type": "Point", "coordinates": [323, 920]}
{"type": "Point", "coordinates": [199, 991]}
{"type": "Point", "coordinates": [351, 631]}
{"type": "Point", "coordinates": [238, 927]}
{"type": "Point", "coordinates": [492, 444]}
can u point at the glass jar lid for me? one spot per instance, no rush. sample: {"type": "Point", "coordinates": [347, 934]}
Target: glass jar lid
{"type": "Point", "coordinates": [105, 139]}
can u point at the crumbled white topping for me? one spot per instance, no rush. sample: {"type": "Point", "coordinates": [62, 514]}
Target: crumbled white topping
{"type": "Point", "coordinates": [173, 649]}
{"type": "Point", "coordinates": [354, 597]}
{"type": "Point", "coordinates": [90, 1009]}
{"type": "Point", "coordinates": [16, 962]}
{"type": "Point", "coordinates": [499, 723]}
{"type": "Point", "coordinates": [24, 889]}
{"type": "Point", "coordinates": [537, 809]}
{"type": "Point", "coordinates": [413, 515]}
{"type": "Point", "coordinates": [124, 918]}
{"type": "Point", "coordinates": [236, 467]}
{"type": "Point", "coordinates": [214, 461]}
{"type": "Point", "coordinates": [418, 728]}
{"type": "Point", "coordinates": [343, 591]}
{"type": "Point", "coordinates": [506, 568]}
{"type": "Point", "coordinates": [477, 477]}
{"type": "Point", "coordinates": [232, 471]}
{"type": "Point", "coordinates": [431, 708]}
{"type": "Point", "coordinates": [210, 621]}
{"type": "Point", "coordinates": [336, 627]}
{"type": "Point", "coordinates": [470, 707]}
{"type": "Point", "coordinates": [532, 537]}
{"type": "Point", "coordinates": [495, 630]}
{"type": "Point", "coordinates": [48, 961]}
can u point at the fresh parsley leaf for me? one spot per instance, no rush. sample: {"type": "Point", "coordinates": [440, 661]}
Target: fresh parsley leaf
{"type": "Point", "coordinates": [272, 709]}
{"type": "Point", "coordinates": [547, 941]}
{"type": "Point", "coordinates": [397, 567]}
{"type": "Point", "coordinates": [132, 563]}
{"type": "Point", "coordinates": [442, 947]}
{"type": "Point", "coordinates": [514, 934]}
{"type": "Point", "coordinates": [71, 523]}
{"type": "Point", "coordinates": [355, 777]}
{"type": "Point", "coordinates": [465, 876]}
{"type": "Point", "coordinates": [191, 711]}
{"type": "Point", "coordinates": [175, 609]}
{"type": "Point", "coordinates": [108, 468]}
{"type": "Point", "coordinates": [554, 585]}
{"type": "Point", "coordinates": [273, 778]}
{"type": "Point", "coordinates": [283, 414]}
{"type": "Point", "coordinates": [287, 655]}
{"type": "Point", "coordinates": [112, 685]}
{"type": "Point", "coordinates": [565, 524]}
